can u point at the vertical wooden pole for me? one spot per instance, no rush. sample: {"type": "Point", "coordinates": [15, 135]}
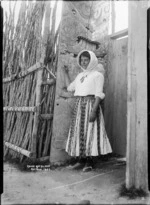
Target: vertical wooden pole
{"type": "Point", "coordinates": [46, 31]}
{"type": "Point", "coordinates": [113, 16]}
{"type": "Point", "coordinates": [39, 78]}
{"type": "Point", "coordinates": [36, 116]}
{"type": "Point", "coordinates": [136, 171]}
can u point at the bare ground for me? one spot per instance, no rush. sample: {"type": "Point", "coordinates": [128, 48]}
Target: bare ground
{"type": "Point", "coordinates": [61, 185]}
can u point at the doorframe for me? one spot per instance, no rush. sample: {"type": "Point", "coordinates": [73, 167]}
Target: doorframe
{"type": "Point", "coordinates": [148, 72]}
{"type": "Point", "coordinates": [137, 153]}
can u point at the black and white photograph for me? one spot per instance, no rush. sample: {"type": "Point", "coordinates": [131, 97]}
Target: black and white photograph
{"type": "Point", "coordinates": [76, 102]}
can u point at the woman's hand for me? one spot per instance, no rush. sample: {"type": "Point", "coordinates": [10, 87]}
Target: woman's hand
{"type": "Point", "coordinates": [92, 116]}
{"type": "Point", "coordinates": [93, 113]}
{"type": "Point", "coordinates": [66, 94]}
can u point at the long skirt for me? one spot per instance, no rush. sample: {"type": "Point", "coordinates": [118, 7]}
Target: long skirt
{"type": "Point", "coordinates": [87, 138]}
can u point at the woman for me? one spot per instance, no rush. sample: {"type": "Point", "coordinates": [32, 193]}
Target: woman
{"type": "Point", "coordinates": [87, 136]}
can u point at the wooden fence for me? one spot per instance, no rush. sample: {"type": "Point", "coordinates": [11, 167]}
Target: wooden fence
{"type": "Point", "coordinates": [30, 54]}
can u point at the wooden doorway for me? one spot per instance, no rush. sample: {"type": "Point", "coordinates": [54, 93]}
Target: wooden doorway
{"type": "Point", "coordinates": [116, 95]}
{"type": "Point", "coordinates": [148, 72]}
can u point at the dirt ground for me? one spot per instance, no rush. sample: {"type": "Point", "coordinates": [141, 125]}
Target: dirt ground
{"type": "Point", "coordinates": [64, 186]}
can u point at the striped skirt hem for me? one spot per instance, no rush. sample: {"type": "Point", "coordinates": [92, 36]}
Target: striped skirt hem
{"type": "Point", "coordinates": [87, 138]}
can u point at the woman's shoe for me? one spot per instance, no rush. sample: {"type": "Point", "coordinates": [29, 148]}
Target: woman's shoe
{"type": "Point", "coordinates": [76, 166]}
{"type": "Point", "coordinates": [88, 166]}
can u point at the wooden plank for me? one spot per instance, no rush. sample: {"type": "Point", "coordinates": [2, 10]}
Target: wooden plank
{"type": "Point", "coordinates": [18, 149]}
{"type": "Point", "coordinates": [116, 95]}
{"type": "Point", "coordinates": [109, 94]}
{"type": "Point", "coordinates": [137, 163]}
{"type": "Point", "coordinates": [119, 34]}
{"type": "Point", "coordinates": [120, 96]}
{"type": "Point", "coordinates": [19, 109]}
{"type": "Point", "coordinates": [36, 116]}
{"type": "Point", "coordinates": [22, 74]}
{"type": "Point", "coordinates": [131, 112]}
{"type": "Point", "coordinates": [9, 79]}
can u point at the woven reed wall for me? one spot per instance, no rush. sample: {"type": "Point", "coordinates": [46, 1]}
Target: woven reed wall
{"type": "Point", "coordinates": [24, 46]}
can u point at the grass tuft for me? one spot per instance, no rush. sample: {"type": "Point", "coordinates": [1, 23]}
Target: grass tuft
{"type": "Point", "coordinates": [132, 192]}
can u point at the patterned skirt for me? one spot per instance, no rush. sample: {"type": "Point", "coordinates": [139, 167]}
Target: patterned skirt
{"type": "Point", "coordinates": [87, 138]}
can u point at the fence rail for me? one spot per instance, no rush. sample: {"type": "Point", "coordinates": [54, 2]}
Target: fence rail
{"type": "Point", "coordinates": [22, 74]}
{"type": "Point", "coordinates": [20, 109]}
{"type": "Point", "coordinates": [18, 149]}
{"type": "Point", "coordinates": [29, 102]}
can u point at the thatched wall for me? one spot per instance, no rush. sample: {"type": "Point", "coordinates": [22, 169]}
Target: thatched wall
{"type": "Point", "coordinates": [29, 69]}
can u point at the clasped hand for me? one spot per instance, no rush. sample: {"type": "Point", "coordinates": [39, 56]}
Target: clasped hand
{"type": "Point", "coordinates": [92, 116]}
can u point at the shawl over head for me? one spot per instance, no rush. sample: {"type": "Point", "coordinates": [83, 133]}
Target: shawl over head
{"type": "Point", "coordinates": [93, 64]}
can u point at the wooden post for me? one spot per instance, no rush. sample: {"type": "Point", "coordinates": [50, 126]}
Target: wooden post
{"type": "Point", "coordinates": [40, 80]}
{"type": "Point", "coordinates": [18, 149]}
{"type": "Point", "coordinates": [36, 115]}
{"type": "Point", "coordinates": [19, 109]}
{"type": "Point", "coordinates": [136, 171]}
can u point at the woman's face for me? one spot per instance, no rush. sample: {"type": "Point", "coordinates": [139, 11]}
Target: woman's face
{"type": "Point", "coordinates": [84, 62]}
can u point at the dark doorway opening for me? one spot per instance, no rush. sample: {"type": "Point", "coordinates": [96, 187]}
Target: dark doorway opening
{"type": "Point", "coordinates": [148, 90]}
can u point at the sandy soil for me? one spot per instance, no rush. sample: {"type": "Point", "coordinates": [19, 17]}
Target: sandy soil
{"type": "Point", "coordinates": [65, 186]}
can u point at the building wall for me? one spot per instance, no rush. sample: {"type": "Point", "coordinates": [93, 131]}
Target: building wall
{"type": "Point", "coordinates": [115, 87]}
{"type": "Point", "coordinates": [79, 18]}
{"type": "Point", "coordinates": [100, 23]}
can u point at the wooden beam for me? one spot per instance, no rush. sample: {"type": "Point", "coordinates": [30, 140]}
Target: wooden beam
{"type": "Point", "coordinates": [119, 34]}
{"type": "Point", "coordinates": [18, 149]}
{"type": "Point", "coordinates": [19, 109]}
{"type": "Point", "coordinates": [22, 74]}
{"type": "Point", "coordinates": [36, 116]}
{"type": "Point", "coordinates": [137, 139]}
